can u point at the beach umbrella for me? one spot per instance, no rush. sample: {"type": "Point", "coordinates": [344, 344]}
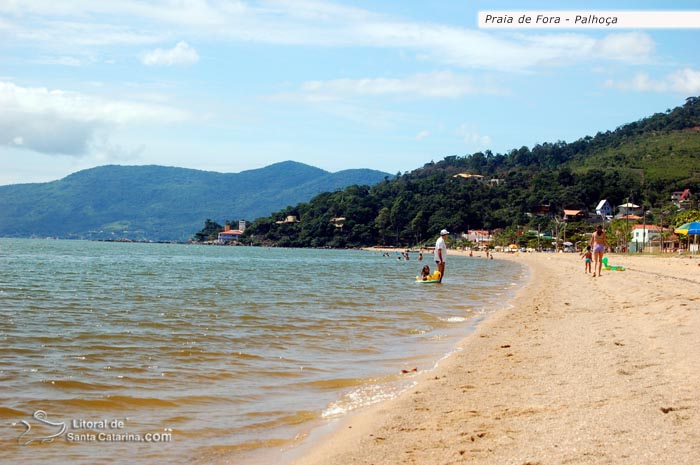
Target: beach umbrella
{"type": "Point", "coordinates": [682, 229]}
{"type": "Point", "coordinates": [689, 229]}
{"type": "Point", "coordinates": [694, 228]}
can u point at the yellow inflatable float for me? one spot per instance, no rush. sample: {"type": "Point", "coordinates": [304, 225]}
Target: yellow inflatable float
{"type": "Point", "coordinates": [432, 278]}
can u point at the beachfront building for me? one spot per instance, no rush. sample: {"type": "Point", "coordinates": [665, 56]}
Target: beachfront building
{"type": "Point", "coordinates": [643, 235]}
{"type": "Point", "coordinates": [480, 237]}
{"type": "Point", "coordinates": [653, 238]}
{"type": "Point", "coordinates": [229, 235]}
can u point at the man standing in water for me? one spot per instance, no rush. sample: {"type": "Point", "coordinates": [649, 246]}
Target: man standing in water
{"type": "Point", "coordinates": [441, 253]}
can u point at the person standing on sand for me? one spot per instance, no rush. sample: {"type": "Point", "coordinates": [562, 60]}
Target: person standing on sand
{"type": "Point", "coordinates": [599, 241]}
{"type": "Point", "coordinates": [441, 253]}
{"type": "Point", "coordinates": [588, 255]}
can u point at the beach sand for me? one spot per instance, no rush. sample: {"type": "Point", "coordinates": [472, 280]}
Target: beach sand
{"type": "Point", "coordinates": [580, 370]}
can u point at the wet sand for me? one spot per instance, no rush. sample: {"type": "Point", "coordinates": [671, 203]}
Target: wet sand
{"type": "Point", "coordinates": [581, 370]}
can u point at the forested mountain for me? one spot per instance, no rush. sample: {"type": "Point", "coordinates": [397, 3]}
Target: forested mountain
{"type": "Point", "coordinates": [158, 202]}
{"type": "Point", "coordinates": [642, 161]}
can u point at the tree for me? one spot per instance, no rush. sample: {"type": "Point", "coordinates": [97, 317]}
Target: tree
{"type": "Point", "coordinates": [383, 222]}
{"type": "Point", "coordinates": [686, 216]}
{"type": "Point", "coordinates": [210, 231]}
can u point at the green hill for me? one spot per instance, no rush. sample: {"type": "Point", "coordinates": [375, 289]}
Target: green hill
{"type": "Point", "coordinates": [157, 202]}
{"type": "Point", "coordinates": [659, 156]}
{"type": "Point", "coordinates": [644, 162]}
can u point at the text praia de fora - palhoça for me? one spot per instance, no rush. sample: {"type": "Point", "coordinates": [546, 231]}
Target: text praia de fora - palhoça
{"type": "Point", "coordinates": [543, 19]}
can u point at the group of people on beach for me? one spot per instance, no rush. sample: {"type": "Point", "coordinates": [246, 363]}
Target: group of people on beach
{"type": "Point", "coordinates": [595, 251]}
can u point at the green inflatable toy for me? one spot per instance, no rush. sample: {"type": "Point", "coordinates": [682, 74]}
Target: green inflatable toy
{"type": "Point", "coordinates": [612, 267]}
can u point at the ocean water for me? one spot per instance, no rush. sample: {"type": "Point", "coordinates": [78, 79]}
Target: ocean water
{"type": "Point", "coordinates": [180, 354]}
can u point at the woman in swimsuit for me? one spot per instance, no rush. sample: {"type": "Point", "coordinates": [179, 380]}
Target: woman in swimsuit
{"type": "Point", "coordinates": [599, 241]}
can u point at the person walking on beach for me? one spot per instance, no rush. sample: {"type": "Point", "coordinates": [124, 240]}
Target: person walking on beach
{"type": "Point", "coordinates": [599, 241]}
{"type": "Point", "coordinates": [588, 255]}
{"type": "Point", "coordinates": [441, 253]}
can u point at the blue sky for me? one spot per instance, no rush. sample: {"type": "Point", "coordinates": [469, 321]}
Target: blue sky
{"type": "Point", "coordinates": [234, 85]}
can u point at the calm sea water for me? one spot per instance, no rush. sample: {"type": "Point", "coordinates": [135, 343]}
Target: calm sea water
{"type": "Point", "coordinates": [145, 353]}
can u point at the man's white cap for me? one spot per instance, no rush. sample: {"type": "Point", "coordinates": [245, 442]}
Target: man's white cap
{"type": "Point", "coordinates": [444, 232]}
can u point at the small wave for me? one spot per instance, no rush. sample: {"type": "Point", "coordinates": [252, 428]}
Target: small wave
{"type": "Point", "coordinates": [9, 412]}
{"type": "Point", "coordinates": [70, 385]}
{"type": "Point", "coordinates": [455, 319]}
{"type": "Point", "coordinates": [210, 453]}
{"type": "Point", "coordinates": [363, 397]}
{"type": "Point", "coordinates": [275, 419]}
{"type": "Point", "coordinates": [330, 384]}
{"type": "Point", "coordinates": [116, 402]}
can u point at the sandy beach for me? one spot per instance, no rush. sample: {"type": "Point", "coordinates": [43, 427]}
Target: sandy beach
{"type": "Point", "coordinates": [580, 370]}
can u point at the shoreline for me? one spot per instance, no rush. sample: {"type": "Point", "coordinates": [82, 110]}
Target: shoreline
{"type": "Point", "coordinates": [577, 370]}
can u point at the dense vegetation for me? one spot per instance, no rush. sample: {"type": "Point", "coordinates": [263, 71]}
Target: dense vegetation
{"type": "Point", "coordinates": [642, 162]}
{"type": "Point", "coordinates": [158, 202]}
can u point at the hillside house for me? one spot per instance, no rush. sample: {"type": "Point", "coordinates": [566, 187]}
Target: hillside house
{"type": "Point", "coordinates": [681, 199]}
{"type": "Point", "coordinates": [480, 179]}
{"type": "Point", "coordinates": [574, 215]}
{"type": "Point", "coordinates": [288, 219]}
{"type": "Point", "coordinates": [604, 210]}
{"type": "Point", "coordinates": [542, 210]}
{"type": "Point", "coordinates": [338, 222]}
{"type": "Point", "coordinates": [628, 211]}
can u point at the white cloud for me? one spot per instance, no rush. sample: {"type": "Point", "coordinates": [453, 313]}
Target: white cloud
{"type": "Point", "coordinates": [443, 84]}
{"type": "Point", "coordinates": [685, 81]}
{"type": "Point", "coordinates": [304, 22]}
{"type": "Point", "coordinates": [61, 122]}
{"type": "Point", "coordinates": [471, 137]}
{"type": "Point", "coordinates": [629, 47]}
{"type": "Point", "coordinates": [61, 60]}
{"type": "Point", "coordinates": [181, 54]}
{"type": "Point", "coordinates": [422, 135]}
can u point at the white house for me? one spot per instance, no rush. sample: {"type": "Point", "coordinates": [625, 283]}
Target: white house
{"type": "Point", "coordinates": [643, 235]}
{"type": "Point", "coordinates": [629, 209]}
{"type": "Point", "coordinates": [604, 209]}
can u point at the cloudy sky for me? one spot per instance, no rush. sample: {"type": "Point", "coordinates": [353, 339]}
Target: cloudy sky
{"type": "Point", "coordinates": [226, 85]}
